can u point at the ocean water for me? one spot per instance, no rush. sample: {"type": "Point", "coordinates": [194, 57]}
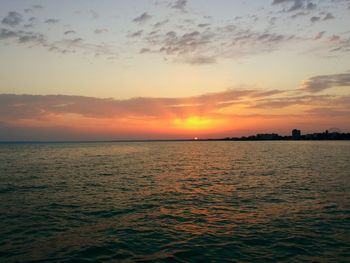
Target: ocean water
{"type": "Point", "coordinates": [175, 202]}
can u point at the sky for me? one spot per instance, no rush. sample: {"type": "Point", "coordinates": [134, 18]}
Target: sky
{"type": "Point", "coordinates": [172, 69]}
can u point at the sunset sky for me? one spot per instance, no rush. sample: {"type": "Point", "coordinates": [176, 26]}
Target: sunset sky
{"type": "Point", "coordinates": [161, 69]}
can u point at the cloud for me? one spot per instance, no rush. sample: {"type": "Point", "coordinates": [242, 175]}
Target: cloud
{"type": "Point", "coordinates": [136, 34]}
{"type": "Point", "coordinates": [283, 102]}
{"type": "Point", "coordinates": [180, 5]}
{"type": "Point", "coordinates": [52, 21]}
{"type": "Point", "coordinates": [23, 37]}
{"type": "Point", "coordinates": [315, 19]}
{"type": "Point", "coordinates": [100, 31]}
{"type": "Point", "coordinates": [319, 35]}
{"type": "Point", "coordinates": [203, 25]}
{"type": "Point", "coordinates": [64, 46]}
{"type": "Point", "coordinates": [330, 112]}
{"type": "Point", "coordinates": [323, 82]}
{"type": "Point", "coordinates": [5, 34]}
{"type": "Point", "coordinates": [70, 32]}
{"type": "Point", "coordinates": [143, 18]}
{"type": "Point", "coordinates": [294, 4]}
{"type": "Point", "coordinates": [12, 19]}
{"type": "Point", "coordinates": [33, 8]}
{"type": "Point", "coordinates": [193, 44]}
{"type": "Point", "coordinates": [334, 38]}
{"type": "Point", "coordinates": [161, 23]}
{"type": "Point", "coordinates": [44, 113]}
{"type": "Point", "coordinates": [16, 107]}
{"type": "Point", "coordinates": [200, 60]}
{"type": "Point", "coordinates": [328, 16]}
{"type": "Point", "coordinates": [145, 50]}
{"type": "Point", "coordinates": [39, 7]}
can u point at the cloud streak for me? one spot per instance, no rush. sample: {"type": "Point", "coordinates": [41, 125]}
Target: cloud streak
{"type": "Point", "coordinates": [31, 106]}
{"type": "Point", "coordinates": [323, 82]}
{"type": "Point", "coordinates": [143, 18]}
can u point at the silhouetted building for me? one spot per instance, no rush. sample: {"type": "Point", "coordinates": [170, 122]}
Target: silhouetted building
{"type": "Point", "coordinates": [268, 136]}
{"type": "Point", "coordinates": [296, 134]}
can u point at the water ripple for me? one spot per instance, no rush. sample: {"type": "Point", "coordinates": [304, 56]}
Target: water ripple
{"type": "Point", "coordinates": [177, 202]}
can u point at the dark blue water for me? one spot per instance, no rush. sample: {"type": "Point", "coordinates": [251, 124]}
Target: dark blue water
{"type": "Point", "coordinates": [175, 201]}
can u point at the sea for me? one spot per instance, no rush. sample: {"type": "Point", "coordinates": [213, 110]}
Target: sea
{"type": "Point", "coordinates": [215, 201]}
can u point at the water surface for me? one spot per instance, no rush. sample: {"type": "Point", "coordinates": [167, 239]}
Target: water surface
{"type": "Point", "coordinates": [175, 201]}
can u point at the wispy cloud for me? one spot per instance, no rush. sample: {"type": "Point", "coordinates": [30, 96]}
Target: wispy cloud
{"type": "Point", "coordinates": [52, 21]}
{"type": "Point", "coordinates": [323, 82]}
{"type": "Point", "coordinates": [70, 32]}
{"type": "Point", "coordinates": [16, 107]}
{"type": "Point", "coordinates": [143, 18]}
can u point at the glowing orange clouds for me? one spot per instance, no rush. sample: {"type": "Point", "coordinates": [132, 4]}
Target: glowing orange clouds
{"type": "Point", "coordinates": [198, 123]}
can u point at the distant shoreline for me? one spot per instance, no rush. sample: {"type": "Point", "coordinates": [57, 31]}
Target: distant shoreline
{"type": "Point", "coordinates": [150, 141]}
{"type": "Point", "coordinates": [296, 136]}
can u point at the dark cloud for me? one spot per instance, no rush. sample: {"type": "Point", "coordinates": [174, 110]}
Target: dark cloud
{"type": "Point", "coordinates": [334, 38]}
{"type": "Point", "coordinates": [136, 34]}
{"type": "Point", "coordinates": [293, 4]}
{"type": "Point", "coordinates": [328, 16]}
{"type": "Point", "coordinates": [207, 44]}
{"type": "Point", "coordinates": [52, 21]}
{"type": "Point", "coordinates": [311, 6]}
{"type": "Point", "coordinates": [142, 18]}
{"type": "Point", "coordinates": [33, 8]}
{"type": "Point", "coordinates": [5, 34]}
{"type": "Point", "coordinates": [145, 50]}
{"type": "Point", "coordinates": [341, 44]}
{"type": "Point", "coordinates": [32, 39]}
{"type": "Point", "coordinates": [319, 35]}
{"type": "Point", "coordinates": [70, 32]}
{"type": "Point", "coordinates": [315, 19]}
{"type": "Point", "coordinates": [100, 31]}
{"type": "Point", "coordinates": [12, 19]}
{"type": "Point", "coordinates": [161, 23]}
{"type": "Point", "coordinates": [203, 25]}
{"type": "Point", "coordinates": [22, 37]}
{"type": "Point", "coordinates": [31, 22]}
{"type": "Point", "coordinates": [180, 5]}
{"type": "Point", "coordinates": [323, 82]}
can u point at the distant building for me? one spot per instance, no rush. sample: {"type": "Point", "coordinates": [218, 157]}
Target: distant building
{"type": "Point", "coordinates": [267, 136]}
{"type": "Point", "coordinates": [296, 134]}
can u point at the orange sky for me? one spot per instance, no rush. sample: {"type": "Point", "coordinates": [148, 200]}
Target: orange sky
{"type": "Point", "coordinates": [172, 69]}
